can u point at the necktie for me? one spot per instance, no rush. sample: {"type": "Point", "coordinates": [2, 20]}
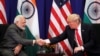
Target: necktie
{"type": "Point", "coordinates": [78, 38]}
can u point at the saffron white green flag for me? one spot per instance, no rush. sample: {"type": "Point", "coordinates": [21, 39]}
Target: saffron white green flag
{"type": "Point", "coordinates": [28, 9]}
{"type": "Point", "coordinates": [92, 11]}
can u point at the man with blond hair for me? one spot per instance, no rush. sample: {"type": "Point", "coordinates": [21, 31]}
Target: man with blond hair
{"type": "Point", "coordinates": [79, 35]}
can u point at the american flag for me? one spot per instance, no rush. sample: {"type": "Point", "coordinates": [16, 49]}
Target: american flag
{"type": "Point", "coordinates": [2, 12]}
{"type": "Point", "coordinates": [59, 12]}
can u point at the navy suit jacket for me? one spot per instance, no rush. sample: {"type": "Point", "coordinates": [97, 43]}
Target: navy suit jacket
{"type": "Point", "coordinates": [87, 36]}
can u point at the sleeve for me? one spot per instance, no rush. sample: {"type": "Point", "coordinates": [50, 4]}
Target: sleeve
{"type": "Point", "coordinates": [59, 38]}
{"type": "Point", "coordinates": [16, 37]}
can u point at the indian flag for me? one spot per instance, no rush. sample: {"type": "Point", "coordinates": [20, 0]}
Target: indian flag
{"type": "Point", "coordinates": [92, 11]}
{"type": "Point", "coordinates": [28, 9]}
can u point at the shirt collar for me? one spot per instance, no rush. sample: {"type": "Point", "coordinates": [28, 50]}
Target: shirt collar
{"type": "Point", "coordinates": [79, 26]}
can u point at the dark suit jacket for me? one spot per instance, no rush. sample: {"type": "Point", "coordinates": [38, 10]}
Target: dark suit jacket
{"type": "Point", "coordinates": [95, 49]}
{"type": "Point", "coordinates": [14, 36]}
{"type": "Point", "coordinates": [87, 36]}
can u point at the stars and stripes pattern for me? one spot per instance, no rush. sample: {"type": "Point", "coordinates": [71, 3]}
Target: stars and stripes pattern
{"type": "Point", "coordinates": [59, 12]}
{"type": "Point", "coordinates": [3, 19]}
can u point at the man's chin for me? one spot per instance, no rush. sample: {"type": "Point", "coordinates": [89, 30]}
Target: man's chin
{"type": "Point", "coordinates": [72, 28]}
{"type": "Point", "coordinates": [23, 28]}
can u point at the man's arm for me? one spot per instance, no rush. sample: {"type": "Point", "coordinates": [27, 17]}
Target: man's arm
{"type": "Point", "coordinates": [16, 37]}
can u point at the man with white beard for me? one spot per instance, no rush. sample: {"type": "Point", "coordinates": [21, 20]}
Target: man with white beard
{"type": "Point", "coordinates": [14, 39]}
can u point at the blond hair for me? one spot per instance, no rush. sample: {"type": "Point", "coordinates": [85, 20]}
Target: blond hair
{"type": "Point", "coordinates": [74, 17]}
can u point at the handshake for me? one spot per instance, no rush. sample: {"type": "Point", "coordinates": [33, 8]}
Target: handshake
{"type": "Point", "coordinates": [42, 42]}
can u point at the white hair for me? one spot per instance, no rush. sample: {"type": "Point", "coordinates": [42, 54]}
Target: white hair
{"type": "Point", "coordinates": [17, 18]}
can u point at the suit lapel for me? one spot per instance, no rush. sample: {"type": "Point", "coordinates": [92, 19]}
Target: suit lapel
{"type": "Point", "coordinates": [82, 32]}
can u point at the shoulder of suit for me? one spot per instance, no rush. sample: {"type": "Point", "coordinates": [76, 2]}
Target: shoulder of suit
{"type": "Point", "coordinates": [68, 27]}
{"type": "Point", "coordinates": [86, 25]}
{"type": "Point", "coordinates": [12, 26]}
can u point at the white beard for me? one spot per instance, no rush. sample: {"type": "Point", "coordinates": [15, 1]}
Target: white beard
{"type": "Point", "coordinates": [23, 28]}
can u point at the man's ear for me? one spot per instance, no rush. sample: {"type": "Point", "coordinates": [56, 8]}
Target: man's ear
{"type": "Point", "coordinates": [16, 22]}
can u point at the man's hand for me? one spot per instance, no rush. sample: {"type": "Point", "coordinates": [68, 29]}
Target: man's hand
{"type": "Point", "coordinates": [77, 49]}
{"type": "Point", "coordinates": [17, 49]}
{"type": "Point", "coordinates": [40, 42]}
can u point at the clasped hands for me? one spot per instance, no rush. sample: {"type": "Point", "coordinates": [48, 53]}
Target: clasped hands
{"type": "Point", "coordinates": [40, 42]}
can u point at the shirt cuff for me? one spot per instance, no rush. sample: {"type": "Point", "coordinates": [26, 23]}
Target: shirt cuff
{"type": "Point", "coordinates": [34, 41]}
{"type": "Point", "coordinates": [82, 48]}
{"type": "Point", "coordinates": [47, 41]}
